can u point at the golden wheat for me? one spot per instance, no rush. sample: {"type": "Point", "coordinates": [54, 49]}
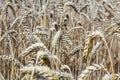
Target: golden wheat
{"type": "Point", "coordinates": [88, 42]}
{"type": "Point", "coordinates": [51, 39]}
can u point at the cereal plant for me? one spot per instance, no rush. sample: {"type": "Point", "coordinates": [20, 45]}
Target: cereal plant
{"type": "Point", "coordinates": [59, 39]}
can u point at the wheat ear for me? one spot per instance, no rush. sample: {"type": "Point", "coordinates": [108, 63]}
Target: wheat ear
{"type": "Point", "coordinates": [45, 56]}
{"type": "Point", "coordinates": [88, 41]}
{"type": "Point", "coordinates": [109, 77]}
{"type": "Point", "coordinates": [56, 38]}
{"type": "Point", "coordinates": [10, 58]}
{"type": "Point", "coordinates": [89, 70]}
{"type": "Point", "coordinates": [43, 70]}
{"type": "Point", "coordinates": [71, 4]}
{"type": "Point", "coordinates": [36, 46]}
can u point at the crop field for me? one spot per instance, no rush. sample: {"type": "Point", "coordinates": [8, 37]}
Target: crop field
{"type": "Point", "coordinates": [59, 39]}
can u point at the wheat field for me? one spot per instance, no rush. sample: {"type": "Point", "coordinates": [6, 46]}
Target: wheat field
{"type": "Point", "coordinates": [59, 39]}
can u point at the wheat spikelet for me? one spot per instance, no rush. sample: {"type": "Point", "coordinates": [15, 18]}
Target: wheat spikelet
{"type": "Point", "coordinates": [89, 70]}
{"type": "Point", "coordinates": [114, 28]}
{"type": "Point", "coordinates": [95, 48]}
{"type": "Point", "coordinates": [110, 11]}
{"type": "Point", "coordinates": [88, 42]}
{"type": "Point", "coordinates": [56, 38]}
{"type": "Point", "coordinates": [117, 35]}
{"type": "Point", "coordinates": [75, 50]}
{"type": "Point", "coordinates": [71, 4]}
{"type": "Point", "coordinates": [46, 72]}
{"type": "Point", "coordinates": [28, 77]}
{"type": "Point", "coordinates": [42, 70]}
{"type": "Point", "coordinates": [85, 6]}
{"type": "Point", "coordinates": [10, 58]}
{"type": "Point", "coordinates": [39, 31]}
{"type": "Point", "coordinates": [109, 77]}
{"type": "Point", "coordinates": [78, 27]}
{"type": "Point", "coordinates": [36, 46]}
{"type": "Point", "coordinates": [65, 67]}
{"type": "Point", "coordinates": [48, 59]}
{"type": "Point", "coordinates": [45, 56]}
{"type": "Point", "coordinates": [65, 75]}
{"type": "Point", "coordinates": [39, 76]}
{"type": "Point", "coordinates": [66, 38]}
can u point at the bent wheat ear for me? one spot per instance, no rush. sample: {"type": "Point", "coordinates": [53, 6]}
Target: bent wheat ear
{"type": "Point", "coordinates": [88, 41]}
{"type": "Point", "coordinates": [36, 46]}
{"type": "Point", "coordinates": [71, 4]}
{"type": "Point", "coordinates": [89, 70]}
{"type": "Point", "coordinates": [10, 58]}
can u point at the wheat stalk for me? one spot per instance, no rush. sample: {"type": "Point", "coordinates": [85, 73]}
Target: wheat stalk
{"type": "Point", "coordinates": [8, 32]}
